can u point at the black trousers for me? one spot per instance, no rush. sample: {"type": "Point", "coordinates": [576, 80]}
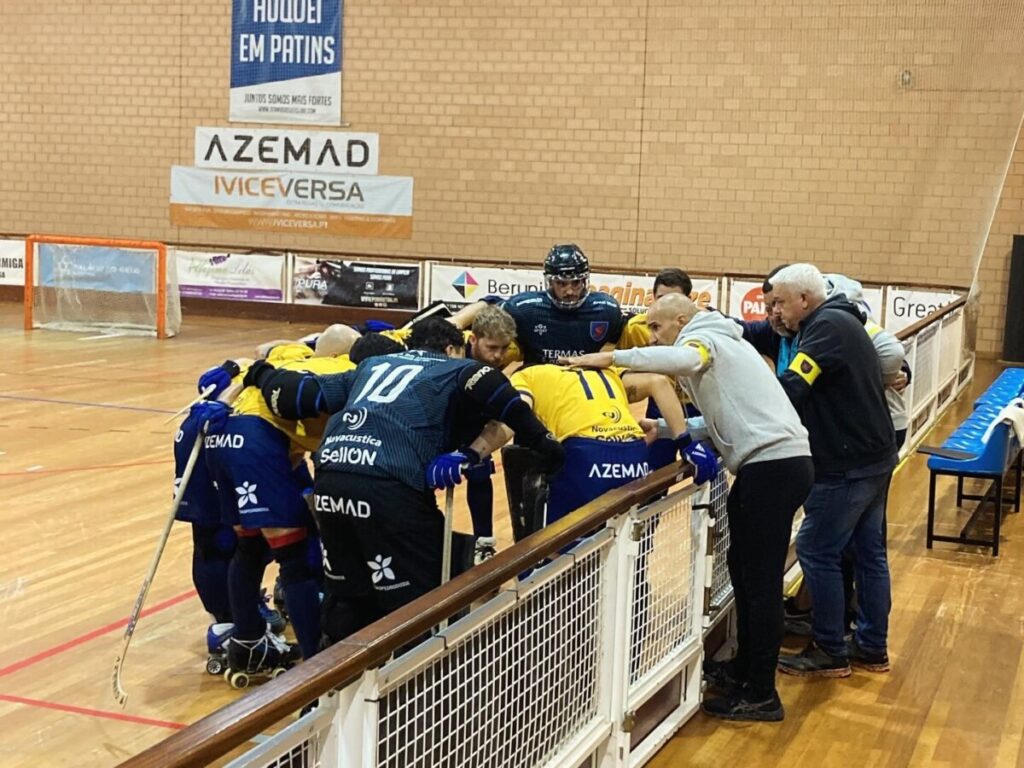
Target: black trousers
{"type": "Point", "coordinates": [763, 499]}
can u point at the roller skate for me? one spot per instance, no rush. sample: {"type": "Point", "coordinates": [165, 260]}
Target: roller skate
{"type": "Point", "coordinates": [484, 549]}
{"type": "Point", "coordinates": [267, 658]}
{"type": "Point", "coordinates": [216, 646]}
{"type": "Point", "coordinates": [276, 619]}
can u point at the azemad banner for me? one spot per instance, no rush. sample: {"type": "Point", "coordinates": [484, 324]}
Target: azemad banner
{"type": "Point", "coordinates": [286, 61]}
{"type": "Point", "coordinates": [462, 285]}
{"type": "Point", "coordinates": [321, 203]}
{"type": "Point", "coordinates": [239, 276]}
{"type": "Point", "coordinates": [262, 149]}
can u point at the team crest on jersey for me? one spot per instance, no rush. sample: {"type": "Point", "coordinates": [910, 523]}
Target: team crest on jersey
{"type": "Point", "coordinates": [540, 329]}
{"type": "Point", "coordinates": [598, 330]}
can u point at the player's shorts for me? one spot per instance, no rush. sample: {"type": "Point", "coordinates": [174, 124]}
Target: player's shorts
{"type": "Point", "coordinates": [382, 539]}
{"type": "Point", "coordinates": [199, 504]}
{"type": "Point", "coordinates": [593, 467]}
{"type": "Point", "coordinates": [256, 484]}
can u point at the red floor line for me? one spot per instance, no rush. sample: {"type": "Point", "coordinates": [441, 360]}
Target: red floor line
{"type": "Point", "coordinates": [74, 642]}
{"type": "Point", "coordinates": [85, 469]}
{"type": "Point", "coordinates": [91, 712]}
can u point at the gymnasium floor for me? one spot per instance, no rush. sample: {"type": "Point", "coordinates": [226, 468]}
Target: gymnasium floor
{"type": "Point", "coordinates": [85, 484]}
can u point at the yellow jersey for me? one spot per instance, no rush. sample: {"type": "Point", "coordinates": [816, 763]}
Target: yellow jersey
{"type": "Point", "coordinates": [636, 333]}
{"type": "Point", "coordinates": [573, 402]}
{"type": "Point", "coordinates": [307, 433]}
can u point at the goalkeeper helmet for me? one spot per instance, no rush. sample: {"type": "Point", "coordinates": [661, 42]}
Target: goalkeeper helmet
{"type": "Point", "coordinates": [567, 275]}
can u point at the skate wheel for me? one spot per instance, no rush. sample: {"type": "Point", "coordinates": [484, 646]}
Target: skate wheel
{"type": "Point", "coordinates": [239, 680]}
{"type": "Point", "coordinates": [214, 666]}
{"type": "Point", "coordinates": [278, 671]}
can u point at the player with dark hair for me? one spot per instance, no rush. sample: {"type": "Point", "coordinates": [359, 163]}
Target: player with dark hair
{"type": "Point", "coordinates": [256, 459]}
{"type": "Point", "coordinates": [388, 443]}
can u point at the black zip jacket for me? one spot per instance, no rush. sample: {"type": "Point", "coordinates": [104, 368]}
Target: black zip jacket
{"type": "Point", "coordinates": [835, 383]}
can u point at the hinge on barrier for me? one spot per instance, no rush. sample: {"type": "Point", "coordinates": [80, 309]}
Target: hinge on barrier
{"type": "Point", "coordinates": [628, 721]}
{"type": "Point", "coordinates": [636, 532]}
{"type": "Point", "coordinates": [708, 507]}
{"type": "Point", "coordinates": [707, 601]}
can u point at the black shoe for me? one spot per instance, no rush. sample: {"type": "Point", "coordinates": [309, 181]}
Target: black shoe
{"type": "Point", "coordinates": [799, 625]}
{"type": "Point", "coordinates": [814, 662]}
{"type": "Point", "coordinates": [743, 704]}
{"type": "Point", "coordinates": [872, 661]}
{"type": "Point", "coordinates": [722, 675]}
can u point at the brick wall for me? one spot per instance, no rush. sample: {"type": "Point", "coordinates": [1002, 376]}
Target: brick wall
{"type": "Point", "coordinates": [719, 135]}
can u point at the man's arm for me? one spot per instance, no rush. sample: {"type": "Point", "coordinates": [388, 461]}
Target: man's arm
{"type": "Point", "coordinates": [815, 355]}
{"type": "Point", "coordinates": [889, 349]}
{"type": "Point", "coordinates": [761, 337]}
{"type": "Point", "coordinates": [658, 388]}
{"type": "Point", "coordinates": [298, 395]}
{"type": "Point", "coordinates": [686, 360]}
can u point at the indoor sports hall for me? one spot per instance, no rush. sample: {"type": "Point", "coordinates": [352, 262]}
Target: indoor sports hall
{"type": "Point", "coordinates": [184, 184]}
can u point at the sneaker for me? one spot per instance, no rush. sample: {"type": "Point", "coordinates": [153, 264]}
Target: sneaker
{"type": "Point", "coordinates": [872, 661]}
{"type": "Point", "coordinates": [486, 547]}
{"type": "Point", "coordinates": [814, 662]}
{"type": "Point", "coordinates": [743, 704]}
{"type": "Point", "coordinates": [722, 675]}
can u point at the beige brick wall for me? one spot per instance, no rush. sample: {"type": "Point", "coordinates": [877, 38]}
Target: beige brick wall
{"type": "Point", "coordinates": [719, 135]}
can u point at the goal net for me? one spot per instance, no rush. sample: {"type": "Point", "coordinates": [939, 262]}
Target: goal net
{"type": "Point", "coordinates": [93, 284]}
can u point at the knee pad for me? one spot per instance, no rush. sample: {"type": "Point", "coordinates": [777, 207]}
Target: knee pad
{"type": "Point", "coordinates": [214, 543]}
{"type": "Point", "coordinates": [294, 562]}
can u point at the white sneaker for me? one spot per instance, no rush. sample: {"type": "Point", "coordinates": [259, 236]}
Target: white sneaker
{"type": "Point", "coordinates": [485, 549]}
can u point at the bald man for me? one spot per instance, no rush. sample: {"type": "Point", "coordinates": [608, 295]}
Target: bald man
{"type": "Point", "coordinates": [751, 423]}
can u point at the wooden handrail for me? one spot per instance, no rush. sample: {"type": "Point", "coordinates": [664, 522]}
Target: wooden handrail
{"type": "Point", "coordinates": [905, 333]}
{"type": "Point", "coordinates": [220, 732]}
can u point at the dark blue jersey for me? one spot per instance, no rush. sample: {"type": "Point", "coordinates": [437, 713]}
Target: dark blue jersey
{"type": "Point", "coordinates": [392, 415]}
{"type": "Point", "coordinates": [545, 333]}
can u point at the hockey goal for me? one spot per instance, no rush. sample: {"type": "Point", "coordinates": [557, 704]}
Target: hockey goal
{"type": "Point", "coordinates": [100, 284]}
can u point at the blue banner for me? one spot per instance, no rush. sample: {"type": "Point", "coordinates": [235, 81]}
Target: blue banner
{"type": "Point", "coordinates": [96, 268]}
{"type": "Point", "coordinates": [286, 61]}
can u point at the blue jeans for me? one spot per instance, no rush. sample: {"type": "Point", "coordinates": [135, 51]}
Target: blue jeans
{"type": "Point", "coordinates": [840, 513]}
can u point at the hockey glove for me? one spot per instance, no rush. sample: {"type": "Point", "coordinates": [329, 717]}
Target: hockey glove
{"type": "Point", "coordinates": [445, 471]}
{"type": "Point", "coordinates": [550, 452]}
{"type": "Point", "coordinates": [220, 377]}
{"type": "Point", "coordinates": [704, 461]}
{"type": "Point", "coordinates": [211, 414]}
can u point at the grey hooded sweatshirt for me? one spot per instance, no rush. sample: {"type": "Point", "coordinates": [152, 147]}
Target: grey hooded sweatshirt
{"type": "Point", "coordinates": [746, 413]}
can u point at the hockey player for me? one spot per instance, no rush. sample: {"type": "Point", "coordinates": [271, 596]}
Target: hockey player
{"type": "Point", "coordinates": [253, 456]}
{"type": "Point", "coordinates": [388, 443]}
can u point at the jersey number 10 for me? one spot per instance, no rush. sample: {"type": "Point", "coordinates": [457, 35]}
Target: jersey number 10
{"type": "Point", "coordinates": [386, 389]}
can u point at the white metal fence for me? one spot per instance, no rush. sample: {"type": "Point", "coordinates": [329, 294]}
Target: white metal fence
{"type": "Point", "coordinates": [555, 670]}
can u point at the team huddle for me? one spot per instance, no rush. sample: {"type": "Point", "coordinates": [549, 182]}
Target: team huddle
{"type": "Point", "coordinates": [389, 416]}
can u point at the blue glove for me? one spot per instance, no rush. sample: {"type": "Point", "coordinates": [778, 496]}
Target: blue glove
{"type": "Point", "coordinates": [212, 414]}
{"type": "Point", "coordinates": [704, 461]}
{"type": "Point", "coordinates": [220, 377]}
{"type": "Point", "coordinates": [378, 326]}
{"type": "Point", "coordinates": [445, 471]}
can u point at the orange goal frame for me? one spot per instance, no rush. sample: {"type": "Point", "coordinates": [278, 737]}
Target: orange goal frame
{"type": "Point", "coordinates": [160, 289]}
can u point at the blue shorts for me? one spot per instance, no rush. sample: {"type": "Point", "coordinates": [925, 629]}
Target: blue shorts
{"type": "Point", "coordinates": [199, 504]}
{"type": "Point", "coordinates": [256, 483]}
{"type": "Point", "coordinates": [594, 467]}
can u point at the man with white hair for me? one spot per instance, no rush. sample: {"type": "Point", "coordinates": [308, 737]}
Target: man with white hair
{"type": "Point", "coordinates": [835, 383]}
{"type": "Point", "coordinates": [750, 422]}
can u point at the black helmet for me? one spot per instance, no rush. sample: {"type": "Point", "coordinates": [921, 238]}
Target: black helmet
{"type": "Point", "coordinates": [567, 262]}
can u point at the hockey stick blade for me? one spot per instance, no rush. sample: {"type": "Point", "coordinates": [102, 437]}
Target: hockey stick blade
{"type": "Point", "coordinates": [946, 453]}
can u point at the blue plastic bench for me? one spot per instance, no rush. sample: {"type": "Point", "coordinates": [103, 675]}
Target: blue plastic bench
{"type": "Point", "coordinates": [1008, 385]}
{"type": "Point", "coordinates": [965, 454]}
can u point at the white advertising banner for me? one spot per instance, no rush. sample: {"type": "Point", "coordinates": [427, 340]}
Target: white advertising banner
{"type": "Point", "coordinates": [239, 276]}
{"type": "Point", "coordinates": [12, 262]}
{"type": "Point", "coordinates": [463, 284]}
{"type": "Point", "coordinates": [321, 203]}
{"type": "Point", "coordinates": [266, 149]}
{"type": "Point", "coordinates": [905, 306]}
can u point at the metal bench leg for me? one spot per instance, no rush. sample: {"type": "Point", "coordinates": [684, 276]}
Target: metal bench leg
{"type": "Point", "coordinates": [1016, 498]}
{"type": "Point", "coordinates": [959, 490]}
{"type": "Point", "coordinates": [999, 516]}
{"type": "Point", "coordinates": [931, 511]}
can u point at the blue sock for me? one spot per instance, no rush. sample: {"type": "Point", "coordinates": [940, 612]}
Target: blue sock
{"type": "Point", "coordinates": [302, 593]}
{"type": "Point", "coordinates": [212, 549]}
{"type": "Point", "coordinates": [245, 576]}
{"type": "Point", "coordinates": [480, 498]}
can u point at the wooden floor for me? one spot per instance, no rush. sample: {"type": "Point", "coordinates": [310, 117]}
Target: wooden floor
{"type": "Point", "coordinates": [85, 484]}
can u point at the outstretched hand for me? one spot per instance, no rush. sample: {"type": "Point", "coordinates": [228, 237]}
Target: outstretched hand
{"type": "Point", "coordinates": [593, 360]}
